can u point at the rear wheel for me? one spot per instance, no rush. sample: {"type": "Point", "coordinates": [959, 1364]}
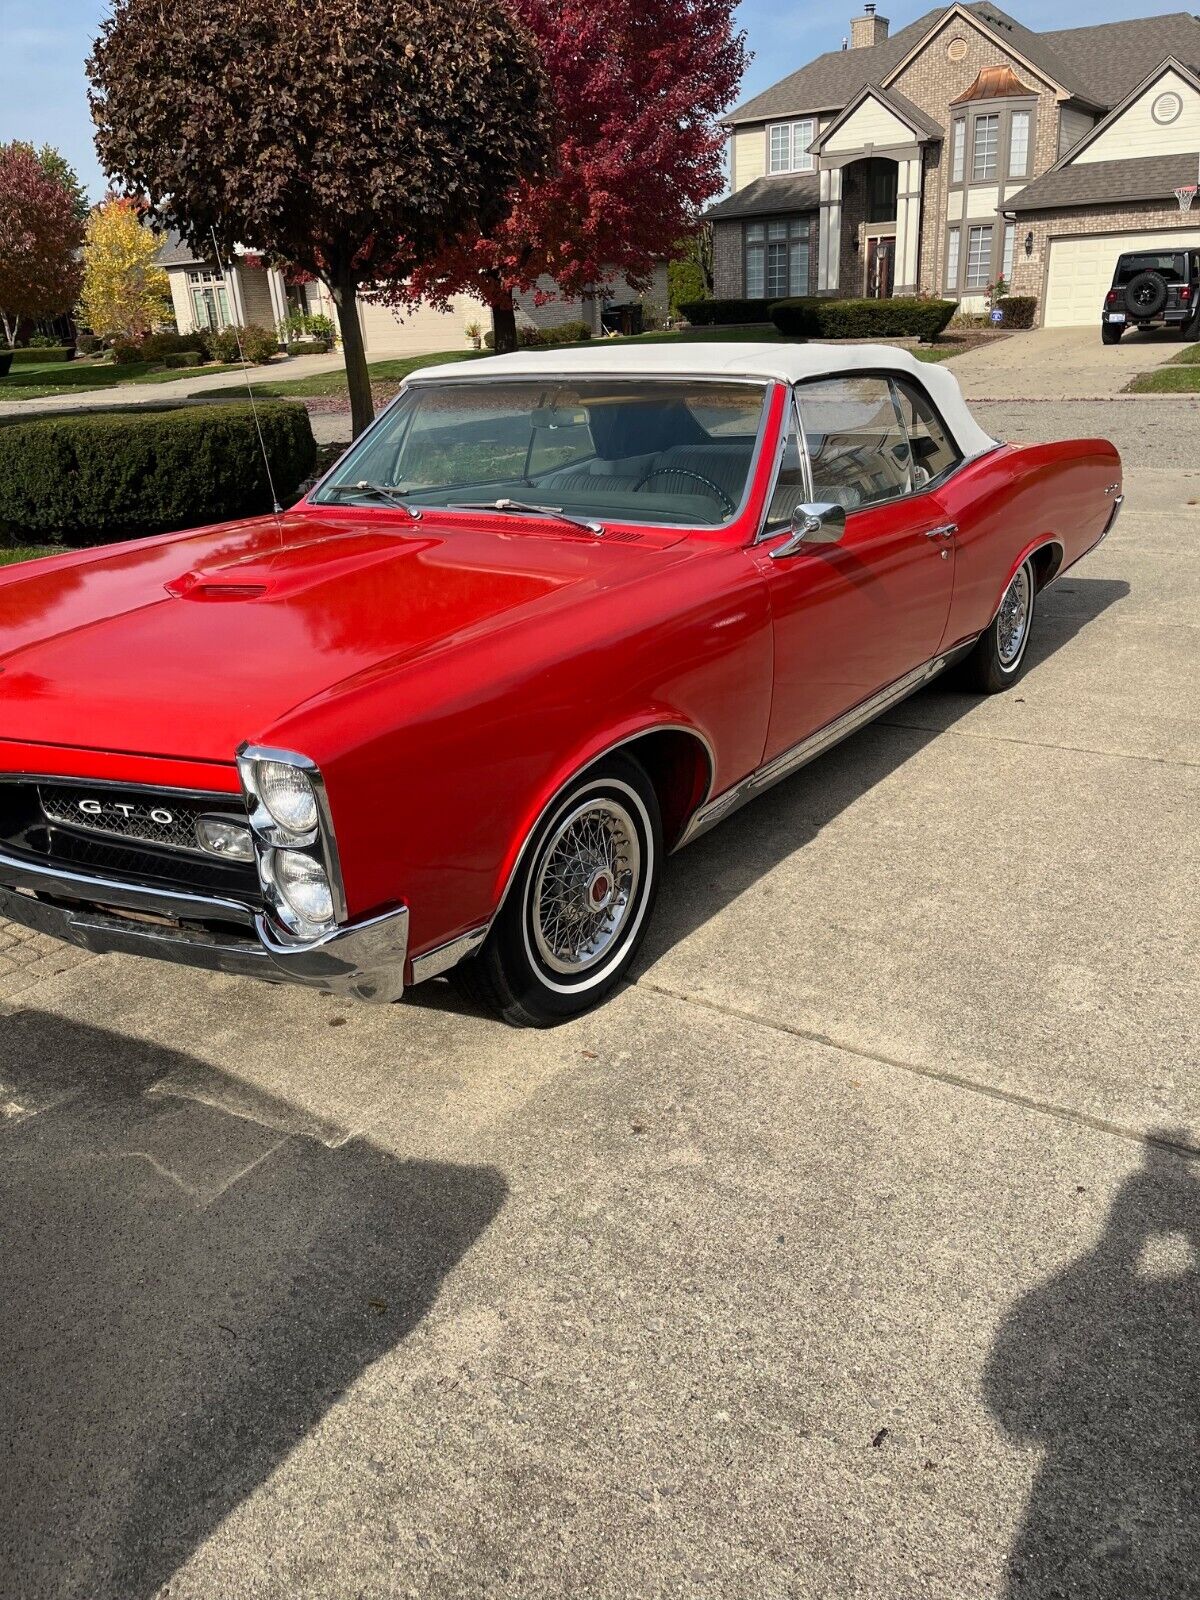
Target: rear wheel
{"type": "Point", "coordinates": [1191, 330]}
{"type": "Point", "coordinates": [1110, 332]}
{"type": "Point", "coordinates": [579, 904]}
{"type": "Point", "coordinates": [998, 658]}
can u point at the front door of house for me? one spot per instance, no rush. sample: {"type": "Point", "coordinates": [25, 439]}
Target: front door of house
{"type": "Point", "coordinates": [881, 256]}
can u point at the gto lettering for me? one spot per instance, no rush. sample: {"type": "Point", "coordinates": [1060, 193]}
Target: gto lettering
{"type": "Point", "coordinates": [157, 814]}
{"type": "Point", "coordinates": [92, 807]}
{"type": "Point", "coordinates": [164, 818]}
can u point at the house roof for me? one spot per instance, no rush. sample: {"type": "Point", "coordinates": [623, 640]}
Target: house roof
{"type": "Point", "coordinates": [768, 196]}
{"type": "Point", "coordinates": [1106, 183]}
{"type": "Point", "coordinates": [919, 121]}
{"type": "Point", "coordinates": [1097, 65]}
{"type": "Point", "coordinates": [174, 253]}
{"type": "Point", "coordinates": [994, 83]}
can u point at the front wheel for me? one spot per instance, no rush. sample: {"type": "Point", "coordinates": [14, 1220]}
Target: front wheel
{"type": "Point", "coordinates": [578, 906]}
{"type": "Point", "coordinates": [1110, 332]}
{"type": "Point", "coordinates": [998, 658]}
{"type": "Point", "coordinates": [1191, 330]}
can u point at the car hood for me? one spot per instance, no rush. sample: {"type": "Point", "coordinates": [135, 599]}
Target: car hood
{"type": "Point", "coordinates": [189, 645]}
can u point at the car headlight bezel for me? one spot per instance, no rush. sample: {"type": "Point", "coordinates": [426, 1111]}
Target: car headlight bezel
{"type": "Point", "coordinates": [273, 838]}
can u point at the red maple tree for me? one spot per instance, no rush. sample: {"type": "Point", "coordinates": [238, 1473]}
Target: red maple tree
{"type": "Point", "coordinates": [41, 235]}
{"type": "Point", "coordinates": [637, 86]}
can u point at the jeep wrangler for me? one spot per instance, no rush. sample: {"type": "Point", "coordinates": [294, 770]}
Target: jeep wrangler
{"type": "Point", "coordinates": [1153, 289]}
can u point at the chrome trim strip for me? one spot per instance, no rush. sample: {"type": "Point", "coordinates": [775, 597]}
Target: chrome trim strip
{"type": "Point", "coordinates": [434, 962]}
{"type": "Point", "coordinates": [798, 755]}
{"type": "Point", "coordinates": [365, 961]}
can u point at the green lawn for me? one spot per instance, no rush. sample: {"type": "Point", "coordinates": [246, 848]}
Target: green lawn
{"type": "Point", "coordinates": [40, 379]}
{"type": "Point", "coordinates": [1181, 375]}
{"type": "Point", "coordinates": [24, 552]}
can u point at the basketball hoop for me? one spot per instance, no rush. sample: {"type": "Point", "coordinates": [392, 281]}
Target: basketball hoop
{"type": "Point", "coordinates": [1185, 196]}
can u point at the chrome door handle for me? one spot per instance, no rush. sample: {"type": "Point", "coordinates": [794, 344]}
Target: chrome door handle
{"type": "Point", "coordinates": [945, 530]}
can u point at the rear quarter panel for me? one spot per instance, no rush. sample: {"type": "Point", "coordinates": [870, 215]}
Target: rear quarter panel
{"type": "Point", "coordinates": [1014, 501]}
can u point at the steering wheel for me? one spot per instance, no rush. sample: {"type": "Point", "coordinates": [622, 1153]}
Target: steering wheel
{"type": "Point", "coordinates": [682, 472]}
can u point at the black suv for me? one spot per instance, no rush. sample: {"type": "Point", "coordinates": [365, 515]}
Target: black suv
{"type": "Point", "coordinates": [1153, 288]}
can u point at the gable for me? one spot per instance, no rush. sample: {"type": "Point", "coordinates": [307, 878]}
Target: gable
{"type": "Point", "coordinates": [872, 123]}
{"type": "Point", "coordinates": [1163, 120]}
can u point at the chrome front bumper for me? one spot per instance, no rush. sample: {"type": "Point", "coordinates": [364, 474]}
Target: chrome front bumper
{"type": "Point", "coordinates": [365, 960]}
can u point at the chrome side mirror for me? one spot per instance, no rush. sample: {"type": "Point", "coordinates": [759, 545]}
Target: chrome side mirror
{"type": "Point", "coordinates": [818, 522]}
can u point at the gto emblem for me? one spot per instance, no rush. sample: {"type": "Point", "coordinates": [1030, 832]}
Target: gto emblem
{"type": "Point", "coordinates": [93, 808]}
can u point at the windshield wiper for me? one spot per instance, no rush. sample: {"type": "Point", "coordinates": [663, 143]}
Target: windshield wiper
{"type": "Point", "coordinates": [381, 491]}
{"type": "Point", "coordinates": [524, 507]}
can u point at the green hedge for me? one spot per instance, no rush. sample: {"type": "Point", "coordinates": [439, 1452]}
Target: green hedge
{"type": "Point", "coordinates": [899, 318]}
{"type": "Point", "coordinates": [1020, 310]}
{"type": "Point", "coordinates": [42, 353]}
{"type": "Point", "coordinates": [98, 476]}
{"type": "Point", "coordinates": [723, 313]}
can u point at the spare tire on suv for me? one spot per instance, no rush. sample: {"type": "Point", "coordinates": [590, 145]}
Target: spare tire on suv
{"type": "Point", "coordinates": [1146, 294]}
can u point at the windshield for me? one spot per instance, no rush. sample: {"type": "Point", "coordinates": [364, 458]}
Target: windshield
{"type": "Point", "coordinates": [670, 451]}
{"type": "Point", "coordinates": [1170, 265]}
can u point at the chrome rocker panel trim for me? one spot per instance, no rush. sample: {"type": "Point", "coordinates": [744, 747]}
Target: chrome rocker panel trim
{"type": "Point", "coordinates": [791, 760]}
{"type": "Point", "coordinates": [444, 956]}
{"type": "Point", "coordinates": [365, 960]}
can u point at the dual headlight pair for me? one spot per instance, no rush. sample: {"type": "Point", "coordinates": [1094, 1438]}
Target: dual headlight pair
{"type": "Point", "coordinates": [292, 839]}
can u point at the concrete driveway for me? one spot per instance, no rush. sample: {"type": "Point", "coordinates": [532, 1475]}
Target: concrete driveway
{"type": "Point", "coordinates": [1060, 364]}
{"type": "Point", "coordinates": [852, 1250]}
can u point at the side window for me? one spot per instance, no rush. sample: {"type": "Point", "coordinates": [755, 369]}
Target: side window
{"type": "Point", "coordinates": [933, 450]}
{"type": "Point", "coordinates": [856, 444]}
{"type": "Point", "coordinates": [791, 490]}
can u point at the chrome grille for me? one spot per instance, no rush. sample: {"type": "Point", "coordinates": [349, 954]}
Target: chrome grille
{"type": "Point", "coordinates": [169, 822]}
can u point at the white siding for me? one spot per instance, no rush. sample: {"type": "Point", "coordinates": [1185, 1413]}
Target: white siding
{"type": "Point", "coordinates": [181, 300]}
{"type": "Point", "coordinates": [872, 123]}
{"type": "Point", "coordinates": [1072, 127]}
{"type": "Point", "coordinates": [1135, 132]}
{"type": "Point", "coordinates": [749, 159]}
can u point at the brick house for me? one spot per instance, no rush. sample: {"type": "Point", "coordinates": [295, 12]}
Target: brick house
{"type": "Point", "coordinates": [964, 148]}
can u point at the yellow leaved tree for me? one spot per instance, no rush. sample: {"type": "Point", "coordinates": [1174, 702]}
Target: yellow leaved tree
{"type": "Point", "coordinates": [124, 291]}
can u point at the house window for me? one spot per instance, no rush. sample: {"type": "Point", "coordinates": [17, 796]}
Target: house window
{"type": "Point", "coordinates": [1018, 145]}
{"type": "Point", "coordinates": [787, 146]}
{"type": "Point", "coordinates": [777, 258]}
{"type": "Point", "coordinates": [1010, 240]}
{"type": "Point", "coordinates": [882, 178]}
{"type": "Point", "coordinates": [979, 257]}
{"type": "Point", "coordinates": [952, 262]}
{"type": "Point", "coordinates": [210, 307]}
{"type": "Point", "coordinates": [960, 146]}
{"type": "Point", "coordinates": [204, 275]}
{"type": "Point", "coordinates": [987, 142]}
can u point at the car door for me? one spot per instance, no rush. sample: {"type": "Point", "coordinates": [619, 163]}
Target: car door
{"type": "Point", "coordinates": [852, 617]}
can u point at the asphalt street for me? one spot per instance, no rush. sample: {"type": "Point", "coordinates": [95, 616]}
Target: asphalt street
{"type": "Point", "coordinates": [852, 1250]}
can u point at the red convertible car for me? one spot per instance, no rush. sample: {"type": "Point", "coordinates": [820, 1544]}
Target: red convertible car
{"type": "Point", "coordinates": [550, 618]}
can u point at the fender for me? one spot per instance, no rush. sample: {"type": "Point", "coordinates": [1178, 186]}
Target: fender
{"type": "Point", "coordinates": [1044, 541]}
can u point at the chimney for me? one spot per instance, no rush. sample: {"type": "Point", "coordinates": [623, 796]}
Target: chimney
{"type": "Point", "coordinates": [867, 29]}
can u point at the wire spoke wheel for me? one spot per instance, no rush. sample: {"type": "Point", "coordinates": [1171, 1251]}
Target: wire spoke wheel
{"type": "Point", "coordinates": [586, 885]}
{"type": "Point", "coordinates": [1012, 622]}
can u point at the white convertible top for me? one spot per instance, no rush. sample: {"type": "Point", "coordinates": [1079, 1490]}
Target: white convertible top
{"type": "Point", "coordinates": [787, 363]}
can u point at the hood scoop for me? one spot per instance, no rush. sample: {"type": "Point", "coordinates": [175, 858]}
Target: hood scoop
{"type": "Point", "coordinates": [202, 586]}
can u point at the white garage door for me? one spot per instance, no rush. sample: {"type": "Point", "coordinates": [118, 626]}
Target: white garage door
{"type": "Point", "coordinates": [421, 332]}
{"type": "Point", "coordinates": [1080, 271]}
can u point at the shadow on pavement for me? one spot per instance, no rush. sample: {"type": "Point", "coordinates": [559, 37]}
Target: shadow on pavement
{"type": "Point", "coordinates": [186, 1293]}
{"type": "Point", "coordinates": [735, 855]}
{"type": "Point", "coordinates": [1100, 1368]}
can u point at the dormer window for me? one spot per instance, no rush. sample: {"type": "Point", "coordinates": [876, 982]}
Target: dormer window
{"type": "Point", "coordinates": [787, 146]}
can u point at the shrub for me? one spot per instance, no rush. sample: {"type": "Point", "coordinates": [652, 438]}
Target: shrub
{"type": "Point", "coordinates": [182, 358]}
{"type": "Point", "coordinates": [42, 352]}
{"type": "Point", "coordinates": [307, 347]}
{"type": "Point", "coordinates": [157, 346]}
{"type": "Point", "coordinates": [259, 344]}
{"type": "Point", "coordinates": [223, 344]}
{"type": "Point", "coordinates": [87, 344]}
{"type": "Point", "coordinates": [685, 285]}
{"type": "Point", "coordinates": [126, 351]}
{"type": "Point", "coordinates": [44, 341]}
{"type": "Point", "coordinates": [900, 318]}
{"type": "Point", "coordinates": [94, 477]}
{"type": "Point", "coordinates": [722, 313]}
{"type": "Point", "coordinates": [564, 333]}
{"type": "Point", "coordinates": [299, 326]}
{"type": "Point", "coordinates": [1020, 310]}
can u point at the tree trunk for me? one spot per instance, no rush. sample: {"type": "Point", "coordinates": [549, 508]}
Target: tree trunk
{"type": "Point", "coordinates": [358, 380]}
{"type": "Point", "coordinates": [504, 327]}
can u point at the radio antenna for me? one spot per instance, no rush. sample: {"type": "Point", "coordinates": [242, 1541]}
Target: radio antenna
{"type": "Point", "coordinates": [237, 334]}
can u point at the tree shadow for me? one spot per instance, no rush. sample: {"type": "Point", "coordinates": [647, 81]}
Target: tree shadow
{"type": "Point", "coordinates": [189, 1286]}
{"type": "Point", "coordinates": [1099, 1367]}
{"type": "Point", "coordinates": [726, 862]}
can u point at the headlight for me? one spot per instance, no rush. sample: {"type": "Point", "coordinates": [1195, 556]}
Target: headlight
{"type": "Point", "coordinates": [220, 837]}
{"type": "Point", "coordinates": [288, 795]}
{"type": "Point", "coordinates": [305, 886]}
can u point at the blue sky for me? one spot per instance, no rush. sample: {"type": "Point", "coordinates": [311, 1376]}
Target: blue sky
{"type": "Point", "coordinates": [43, 45]}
